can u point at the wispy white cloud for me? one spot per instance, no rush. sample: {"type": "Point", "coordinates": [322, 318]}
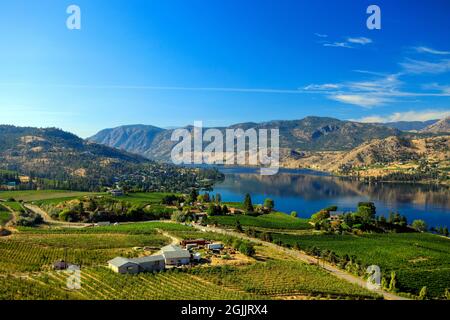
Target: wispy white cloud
{"type": "Point", "coordinates": [337, 44]}
{"type": "Point", "coordinates": [318, 87]}
{"type": "Point", "coordinates": [431, 50]}
{"type": "Point", "coordinates": [156, 88]}
{"type": "Point", "coordinates": [430, 114]}
{"type": "Point", "coordinates": [360, 40]}
{"type": "Point", "coordinates": [321, 35]}
{"type": "Point", "coordinates": [420, 66]}
{"type": "Point", "coordinates": [444, 89]}
{"type": "Point", "coordinates": [348, 43]}
{"type": "Point", "coordinates": [361, 100]}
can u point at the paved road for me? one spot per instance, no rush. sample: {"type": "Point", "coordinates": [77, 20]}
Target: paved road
{"type": "Point", "coordinates": [308, 259]}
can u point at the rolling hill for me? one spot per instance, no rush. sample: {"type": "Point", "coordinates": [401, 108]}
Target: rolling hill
{"type": "Point", "coordinates": [442, 126]}
{"type": "Point", "coordinates": [52, 158]}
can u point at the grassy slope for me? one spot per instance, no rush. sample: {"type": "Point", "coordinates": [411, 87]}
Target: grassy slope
{"type": "Point", "coordinates": [5, 215]}
{"type": "Point", "coordinates": [32, 195]}
{"type": "Point", "coordinates": [276, 220]}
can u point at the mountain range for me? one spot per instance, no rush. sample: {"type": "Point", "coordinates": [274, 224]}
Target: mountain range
{"type": "Point", "coordinates": [308, 134]}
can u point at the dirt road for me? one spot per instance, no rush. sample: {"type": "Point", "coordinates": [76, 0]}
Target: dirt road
{"type": "Point", "coordinates": [308, 259]}
{"type": "Point", "coordinates": [51, 221]}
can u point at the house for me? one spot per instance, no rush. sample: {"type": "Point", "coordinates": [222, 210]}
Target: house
{"type": "Point", "coordinates": [336, 215]}
{"type": "Point", "coordinates": [235, 211]}
{"type": "Point", "coordinates": [175, 255]}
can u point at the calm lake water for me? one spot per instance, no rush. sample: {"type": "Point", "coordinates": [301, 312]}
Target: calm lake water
{"type": "Point", "coordinates": [307, 192]}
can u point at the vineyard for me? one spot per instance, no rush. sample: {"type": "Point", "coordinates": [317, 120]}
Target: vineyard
{"type": "Point", "coordinates": [38, 249]}
{"type": "Point", "coordinates": [102, 284]}
{"type": "Point", "coordinates": [268, 221]}
{"type": "Point", "coordinates": [418, 259]}
{"type": "Point", "coordinates": [283, 278]}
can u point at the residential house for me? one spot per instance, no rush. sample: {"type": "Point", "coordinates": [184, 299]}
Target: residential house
{"type": "Point", "coordinates": [336, 215]}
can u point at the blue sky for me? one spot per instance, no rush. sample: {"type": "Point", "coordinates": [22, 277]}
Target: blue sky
{"type": "Point", "coordinates": [168, 63]}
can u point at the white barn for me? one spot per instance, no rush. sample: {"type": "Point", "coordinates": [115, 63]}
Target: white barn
{"type": "Point", "coordinates": [175, 255]}
{"type": "Point", "coordinates": [136, 265]}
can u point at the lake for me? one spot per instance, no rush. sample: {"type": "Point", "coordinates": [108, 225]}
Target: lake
{"type": "Point", "coordinates": [307, 192]}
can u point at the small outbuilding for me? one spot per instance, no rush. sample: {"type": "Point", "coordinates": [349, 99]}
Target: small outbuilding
{"type": "Point", "coordinates": [215, 246]}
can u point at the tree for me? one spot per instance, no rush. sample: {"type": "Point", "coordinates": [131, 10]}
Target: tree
{"type": "Point", "coordinates": [225, 209]}
{"type": "Point", "coordinates": [331, 208]}
{"type": "Point", "coordinates": [447, 294]}
{"type": "Point", "coordinates": [218, 198]}
{"type": "Point", "coordinates": [393, 282]}
{"type": "Point", "coordinates": [248, 206]}
{"type": "Point", "coordinates": [269, 204]}
{"type": "Point", "coordinates": [193, 196]}
{"type": "Point", "coordinates": [367, 211]}
{"type": "Point", "coordinates": [294, 214]}
{"type": "Point", "coordinates": [238, 226]}
{"type": "Point", "coordinates": [423, 293]}
{"type": "Point", "coordinates": [419, 225]}
{"type": "Point", "coordinates": [319, 216]}
{"type": "Point", "coordinates": [445, 232]}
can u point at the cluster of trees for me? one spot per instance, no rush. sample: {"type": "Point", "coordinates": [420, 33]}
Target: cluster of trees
{"type": "Point", "coordinates": [364, 219]}
{"type": "Point", "coordinates": [92, 209]}
{"type": "Point", "coordinates": [251, 209]}
{"type": "Point", "coordinates": [441, 230]}
{"type": "Point", "coordinates": [217, 209]}
{"type": "Point", "coordinates": [26, 218]}
{"type": "Point", "coordinates": [172, 200]}
{"type": "Point", "coordinates": [243, 246]}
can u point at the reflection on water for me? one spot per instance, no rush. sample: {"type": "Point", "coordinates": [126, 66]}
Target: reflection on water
{"type": "Point", "coordinates": [307, 192]}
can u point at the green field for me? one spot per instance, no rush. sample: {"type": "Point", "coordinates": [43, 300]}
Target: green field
{"type": "Point", "coordinates": [268, 221]}
{"type": "Point", "coordinates": [32, 195]}
{"type": "Point", "coordinates": [15, 206]}
{"type": "Point", "coordinates": [419, 259]}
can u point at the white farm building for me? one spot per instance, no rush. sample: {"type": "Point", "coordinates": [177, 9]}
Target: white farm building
{"type": "Point", "coordinates": [136, 265]}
